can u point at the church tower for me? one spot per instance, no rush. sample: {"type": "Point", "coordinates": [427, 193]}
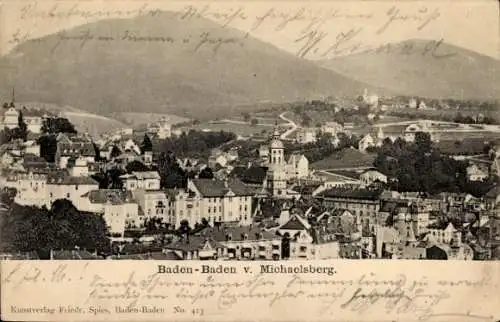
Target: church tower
{"type": "Point", "coordinates": [276, 174]}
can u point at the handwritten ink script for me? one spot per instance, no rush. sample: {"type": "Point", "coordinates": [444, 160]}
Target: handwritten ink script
{"type": "Point", "coordinates": [314, 32]}
{"type": "Point", "coordinates": [102, 293]}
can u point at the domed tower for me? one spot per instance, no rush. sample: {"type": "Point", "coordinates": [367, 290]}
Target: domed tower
{"type": "Point", "coordinates": [276, 150]}
{"type": "Point", "coordinates": [276, 174]}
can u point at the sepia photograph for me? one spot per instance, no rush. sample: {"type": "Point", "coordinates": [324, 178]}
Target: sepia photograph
{"type": "Point", "coordinates": [243, 132]}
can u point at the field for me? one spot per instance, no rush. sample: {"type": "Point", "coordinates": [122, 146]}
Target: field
{"type": "Point", "coordinates": [239, 129]}
{"type": "Point", "coordinates": [137, 119]}
{"type": "Point", "coordinates": [84, 122]}
{"type": "Point", "coordinates": [347, 158]}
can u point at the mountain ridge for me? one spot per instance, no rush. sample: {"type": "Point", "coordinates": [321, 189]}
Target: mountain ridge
{"type": "Point", "coordinates": [164, 64]}
{"type": "Point", "coordinates": [426, 68]}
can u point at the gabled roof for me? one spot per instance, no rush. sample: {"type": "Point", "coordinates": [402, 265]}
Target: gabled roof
{"type": "Point", "coordinates": [361, 194]}
{"type": "Point", "coordinates": [63, 178]}
{"type": "Point", "coordinates": [193, 243]}
{"type": "Point", "coordinates": [113, 196]}
{"type": "Point", "coordinates": [252, 233]}
{"type": "Point", "coordinates": [219, 188]}
{"type": "Point", "coordinates": [296, 223]}
{"type": "Point", "coordinates": [73, 254]}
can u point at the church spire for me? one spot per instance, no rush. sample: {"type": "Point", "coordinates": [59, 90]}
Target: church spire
{"type": "Point", "coordinates": [13, 95]}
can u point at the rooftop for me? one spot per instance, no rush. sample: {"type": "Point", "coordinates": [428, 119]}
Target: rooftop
{"type": "Point", "coordinates": [113, 196]}
{"type": "Point", "coordinates": [362, 194]}
{"type": "Point", "coordinates": [218, 188]}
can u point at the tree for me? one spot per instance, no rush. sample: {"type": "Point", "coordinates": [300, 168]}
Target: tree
{"type": "Point", "coordinates": [136, 166]}
{"type": "Point", "coordinates": [184, 228]}
{"type": "Point", "coordinates": [206, 173]}
{"type": "Point", "coordinates": [115, 152]}
{"type": "Point", "coordinates": [48, 147]}
{"type": "Point", "coordinates": [285, 246]}
{"type": "Point", "coordinates": [423, 142]}
{"type": "Point", "coordinates": [97, 152]}
{"type": "Point", "coordinates": [146, 145]}
{"type": "Point", "coordinates": [57, 125]}
{"type": "Point", "coordinates": [62, 227]}
{"type": "Point", "coordinates": [7, 195]}
{"type": "Point", "coordinates": [23, 128]}
{"type": "Point", "coordinates": [254, 122]}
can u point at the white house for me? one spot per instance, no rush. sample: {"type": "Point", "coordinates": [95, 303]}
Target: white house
{"type": "Point", "coordinates": [147, 180]}
{"type": "Point", "coordinates": [32, 147]}
{"type": "Point", "coordinates": [298, 166]}
{"type": "Point", "coordinates": [11, 118]}
{"type": "Point", "coordinates": [33, 119]}
{"type": "Point", "coordinates": [372, 176]}
{"type": "Point", "coordinates": [61, 185]}
{"type": "Point", "coordinates": [332, 128]}
{"type": "Point", "coordinates": [306, 135]}
{"type": "Point", "coordinates": [366, 142]}
{"type": "Point", "coordinates": [118, 207]}
{"type": "Point", "coordinates": [442, 235]}
{"type": "Point", "coordinates": [222, 201]}
{"type": "Point", "coordinates": [475, 174]}
{"type": "Point", "coordinates": [80, 168]}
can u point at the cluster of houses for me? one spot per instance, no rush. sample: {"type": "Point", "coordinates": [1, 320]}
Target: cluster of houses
{"type": "Point", "coordinates": [312, 215]}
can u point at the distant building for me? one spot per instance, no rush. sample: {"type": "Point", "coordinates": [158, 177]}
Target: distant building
{"type": "Point", "coordinates": [306, 135]}
{"type": "Point", "coordinates": [118, 207]}
{"type": "Point", "coordinates": [364, 203]}
{"type": "Point", "coordinates": [298, 166]}
{"type": "Point", "coordinates": [245, 242]}
{"type": "Point", "coordinates": [73, 146]}
{"type": "Point", "coordinates": [369, 177]}
{"type": "Point", "coordinates": [476, 174]}
{"type": "Point", "coordinates": [276, 174]}
{"type": "Point", "coordinates": [332, 128]}
{"type": "Point", "coordinates": [148, 180]}
{"type": "Point", "coordinates": [411, 130]}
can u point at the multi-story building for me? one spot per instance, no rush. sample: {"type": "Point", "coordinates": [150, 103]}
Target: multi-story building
{"type": "Point", "coordinates": [306, 135]}
{"type": "Point", "coordinates": [196, 248]}
{"type": "Point", "coordinates": [245, 242]}
{"type": "Point", "coordinates": [72, 147]}
{"type": "Point", "coordinates": [332, 128]}
{"type": "Point", "coordinates": [371, 176]}
{"type": "Point", "coordinates": [31, 187]}
{"type": "Point", "coordinates": [276, 177]}
{"type": "Point", "coordinates": [10, 117]}
{"type": "Point", "coordinates": [33, 119]}
{"type": "Point", "coordinates": [146, 180]}
{"type": "Point", "coordinates": [119, 209]}
{"type": "Point", "coordinates": [228, 201]}
{"type": "Point", "coordinates": [364, 203]}
{"type": "Point", "coordinates": [60, 185]}
{"type": "Point", "coordinates": [298, 166]}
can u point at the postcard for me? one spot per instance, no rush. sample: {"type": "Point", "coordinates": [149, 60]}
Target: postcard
{"type": "Point", "coordinates": [280, 160]}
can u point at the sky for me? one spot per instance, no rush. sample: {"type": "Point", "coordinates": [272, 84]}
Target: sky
{"type": "Point", "coordinates": [306, 28]}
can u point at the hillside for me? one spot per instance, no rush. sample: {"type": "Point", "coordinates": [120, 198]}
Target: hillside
{"type": "Point", "coordinates": [83, 121]}
{"type": "Point", "coordinates": [465, 74]}
{"type": "Point", "coordinates": [144, 64]}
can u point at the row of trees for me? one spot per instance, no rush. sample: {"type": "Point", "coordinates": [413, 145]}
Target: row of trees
{"type": "Point", "coordinates": [195, 143]}
{"type": "Point", "coordinates": [27, 228]}
{"type": "Point", "coordinates": [18, 133]}
{"type": "Point", "coordinates": [324, 147]}
{"type": "Point", "coordinates": [420, 167]}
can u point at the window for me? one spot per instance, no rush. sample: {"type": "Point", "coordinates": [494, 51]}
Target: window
{"type": "Point", "coordinates": [67, 195]}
